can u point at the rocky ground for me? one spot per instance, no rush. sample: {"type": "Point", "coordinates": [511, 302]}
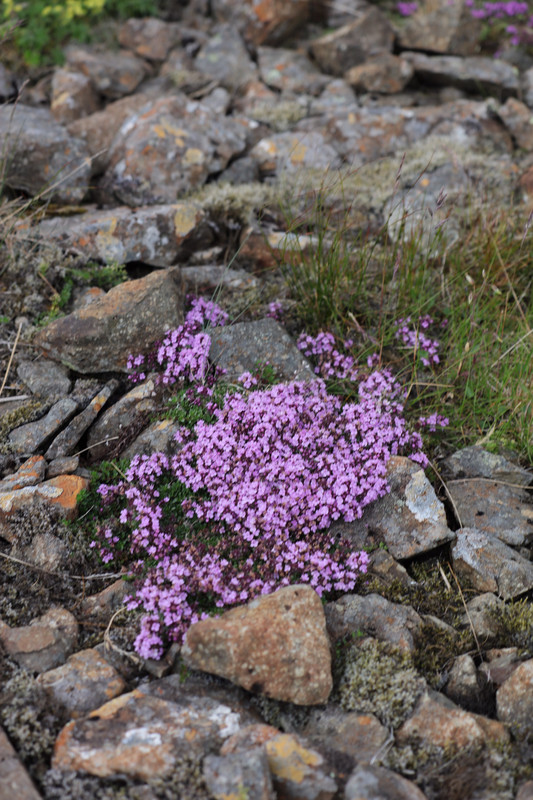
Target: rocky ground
{"type": "Point", "coordinates": [165, 158]}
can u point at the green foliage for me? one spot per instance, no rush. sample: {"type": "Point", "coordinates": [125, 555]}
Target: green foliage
{"type": "Point", "coordinates": [41, 28]}
{"type": "Point", "coordinates": [515, 621]}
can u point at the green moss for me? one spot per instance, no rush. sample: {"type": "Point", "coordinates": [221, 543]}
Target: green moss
{"type": "Point", "coordinates": [28, 412]}
{"type": "Point", "coordinates": [375, 678]}
{"type": "Point", "coordinates": [280, 117]}
{"type": "Point", "coordinates": [237, 203]}
{"type": "Point", "coordinates": [287, 717]}
{"type": "Point", "coordinates": [515, 621]}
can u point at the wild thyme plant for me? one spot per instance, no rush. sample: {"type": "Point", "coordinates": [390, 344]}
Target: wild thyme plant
{"type": "Point", "coordinates": [245, 505]}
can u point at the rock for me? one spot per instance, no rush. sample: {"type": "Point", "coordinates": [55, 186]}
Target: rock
{"type": "Point", "coordinates": [65, 443]}
{"type": "Point", "coordinates": [514, 698]}
{"type": "Point", "coordinates": [410, 520]}
{"type": "Point", "coordinates": [149, 37]}
{"type": "Point", "coordinates": [30, 437]}
{"type": "Point", "coordinates": [130, 318]}
{"type": "Point", "coordinates": [113, 74]}
{"type": "Point", "coordinates": [169, 148]}
{"type": "Point", "coordinates": [448, 28]}
{"type": "Point", "coordinates": [475, 74]}
{"type": "Point", "coordinates": [490, 565]}
{"type": "Point", "coordinates": [526, 791]}
{"type": "Point", "coordinates": [210, 277]}
{"type": "Point", "coordinates": [527, 87]}
{"type": "Point", "coordinates": [225, 59]}
{"type": "Point", "coordinates": [45, 378]}
{"type": "Point", "coordinates": [353, 44]}
{"type": "Point", "coordinates": [385, 73]}
{"type": "Point", "coordinates": [72, 96]}
{"type": "Point", "coordinates": [386, 569]}
{"type": "Point", "coordinates": [269, 22]}
{"type": "Point", "coordinates": [45, 551]}
{"type": "Point", "coordinates": [239, 773]}
{"type": "Point", "coordinates": [500, 665]}
{"type": "Point", "coordinates": [249, 346]}
{"type": "Point", "coordinates": [62, 466]}
{"type": "Point", "coordinates": [99, 129]}
{"type": "Point", "coordinates": [476, 462]}
{"type": "Point", "coordinates": [375, 616]}
{"type": "Point", "coordinates": [129, 414]}
{"type": "Point", "coordinates": [377, 783]}
{"type": "Point", "coordinates": [43, 644]}
{"type": "Point", "coordinates": [143, 736]}
{"type": "Point", "coordinates": [108, 600]}
{"type": "Point", "coordinates": [289, 70]}
{"type": "Point", "coordinates": [83, 683]}
{"type": "Point", "coordinates": [158, 235]}
{"type": "Point", "coordinates": [14, 778]}
{"type": "Point", "coordinates": [275, 645]}
{"type": "Point", "coordinates": [29, 474]}
{"type": "Point", "coordinates": [248, 738]}
{"type": "Point", "coordinates": [43, 158]}
{"type": "Point", "coordinates": [61, 492]}
{"type": "Point", "coordinates": [156, 438]}
{"type": "Point", "coordinates": [360, 736]}
{"type": "Point", "coordinates": [289, 152]}
{"type": "Point", "coordinates": [481, 615]}
{"type": "Point", "coordinates": [436, 721]}
{"type": "Point", "coordinates": [517, 118]}
{"type": "Point", "coordinates": [467, 687]}
{"type": "Point", "coordinates": [299, 773]}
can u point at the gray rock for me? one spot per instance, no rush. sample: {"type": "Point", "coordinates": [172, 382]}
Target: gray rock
{"type": "Point", "coordinates": [474, 74]}
{"type": "Point", "coordinates": [158, 437]}
{"type": "Point", "coordinates": [149, 37]}
{"type": "Point", "coordinates": [225, 59]}
{"type": "Point", "coordinates": [377, 783]}
{"type": "Point", "coordinates": [467, 687]}
{"type": "Point", "coordinates": [113, 74]}
{"type": "Point", "coordinates": [385, 73]}
{"type": "Point", "coordinates": [290, 152]}
{"type": "Point", "coordinates": [245, 773]}
{"type": "Point", "coordinates": [410, 520]}
{"type": "Point", "coordinates": [248, 346]}
{"type": "Point", "coordinates": [28, 474]}
{"type": "Point", "coordinates": [481, 616]}
{"type": "Point", "coordinates": [500, 665]}
{"type": "Point", "coordinates": [517, 118]}
{"type": "Point", "coordinates": [490, 565]}
{"type": "Point", "coordinates": [29, 438]}
{"type": "Point", "coordinates": [289, 70]}
{"type": "Point", "coordinates": [354, 43]}
{"type": "Point", "coordinates": [495, 508]}
{"type": "Point", "coordinates": [270, 23]}
{"type": "Point", "coordinates": [43, 157]}
{"type": "Point", "coordinates": [476, 462]}
{"type": "Point", "coordinates": [45, 378]}
{"type": "Point", "coordinates": [43, 644]}
{"type": "Point", "coordinates": [130, 318]}
{"type": "Point", "coordinates": [65, 443]}
{"type": "Point", "coordinates": [360, 736]}
{"type": "Point", "coordinates": [14, 777]}
{"type": "Point", "coordinates": [375, 616]}
{"type": "Point", "coordinates": [441, 28]}
{"type": "Point", "coordinates": [45, 550]}
{"type": "Point", "coordinates": [73, 96]}
{"type": "Point", "coordinates": [514, 699]}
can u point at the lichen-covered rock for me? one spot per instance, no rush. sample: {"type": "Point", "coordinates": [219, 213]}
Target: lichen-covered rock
{"type": "Point", "coordinates": [476, 462]}
{"type": "Point", "coordinates": [385, 74]}
{"type": "Point", "coordinates": [369, 35]}
{"type": "Point", "coordinates": [376, 616]}
{"type": "Point", "coordinates": [298, 771]}
{"type": "Point", "coordinates": [113, 74]}
{"type": "Point", "coordinates": [448, 28]}
{"type": "Point", "coordinates": [514, 699]}
{"type": "Point", "coordinates": [360, 736]}
{"type": "Point", "coordinates": [43, 644]}
{"type": "Point", "coordinates": [289, 70]}
{"type": "Point", "coordinates": [60, 492]}
{"type": "Point", "coordinates": [28, 438]}
{"type": "Point", "coordinates": [235, 774]}
{"type": "Point", "coordinates": [472, 74]}
{"type": "Point", "coordinates": [43, 157]}
{"type": "Point", "coordinates": [502, 511]}
{"type": "Point", "coordinates": [490, 565]}
{"type": "Point", "coordinates": [149, 37]}
{"type": "Point", "coordinates": [129, 318]}
{"type": "Point", "coordinates": [14, 777]}
{"type": "Point", "coordinates": [292, 151]}
{"type": "Point", "coordinates": [276, 645]}
{"type": "Point", "coordinates": [368, 782]}
{"type": "Point", "coordinates": [73, 96]}
{"type": "Point", "coordinates": [28, 474]}
{"type": "Point", "coordinates": [268, 22]}
{"type": "Point", "coordinates": [225, 59]}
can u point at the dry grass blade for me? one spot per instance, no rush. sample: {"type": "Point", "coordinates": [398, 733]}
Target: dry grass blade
{"type": "Point", "coordinates": [11, 357]}
{"type": "Point", "coordinates": [469, 618]}
{"type": "Point", "coordinates": [28, 564]}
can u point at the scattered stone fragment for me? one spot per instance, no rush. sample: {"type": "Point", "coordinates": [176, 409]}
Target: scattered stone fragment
{"type": "Point", "coordinates": [108, 600]}
{"type": "Point", "coordinates": [375, 616]}
{"type": "Point", "coordinates": [360, 736]}
{"type": "Point", "coordinates": [298, 771]}
{"type": "Point", "coordinates": [155, 235]}
{"type": "Point", "coordinates": [467, 687]}
{"type": "Point", "coordinates": [238, 774]}
{"type": "Point", "coordinates": [65, 465]}
{"type": "Point", "coordinates": [275, 645]}
{"type": "Point", "coordinates": [384, 567]}
{"type": "Point", "coordinates": [31, 437]}
{"type": "Point", "coordinates": [482, 615]}
{"type": "Point", "coordinates": [143, 736]}
{"type": "Point", "coordinates": [130, 318]}
{"type": "Point", "coordinates": [29, 474]}
{"type": "Point", "coordinates": [250, 346]}
{"type": "Point", "coordinates": [83, 683]}
{"type": "Point", "coordinates": [354, 43]}
{"type": "Point", "coordinates": [14, 780]}
{"type": "Point", "coordinates": [385, 74]}
{"type": "Point", "coordinates": [368, 782]}
{"type": "Point", "coordinates": [290, 152]}
{"type": "Point", "coordinates": [476, 462]}
{"type": "Point", "coordinates": [514, 699]}
{"type": "Point", "coordinates": [439, 722]}
{"type": "Point", "coordinates": [269, 22]}
{"type": "Point", "coordinates": [149, 37]}
{"type": "Point", "coordinates": [45, 550]}
{"type": "Point", "coordinates": [500, 665]}
{"type": "Point", "coordinates": [410, 520]}
{"type": "Point", "coordinates": [43, 644]}
{"type": "Point", "coordinates": [61, 492]}
{"type": "Point", "coordinates": [130, 413]}
{"type": "Point", "coordinates": [490, 565]}
{"type": "Point", "coordinates": [474, 74]}
{"type": "Point", "coordinates": [72, 96]}
{"type": "Point", "coordinates": [65, 443]}
{"type": "Point", "coordinates": [113, 74]}
{"type": "Point", "coordinates": [448, 28]}
{"type": "Point", "coordinates": [43, 157]}
{"type": "Point", "coordinates": [517, 118]}
{"type": "Point", "coordinates": [225, 59]}
{"type": "Point", "coordinates": [494, 508]}
{"type": "Point", "coordinates": [45, 378]}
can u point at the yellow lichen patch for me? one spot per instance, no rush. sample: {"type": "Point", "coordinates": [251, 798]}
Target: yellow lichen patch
{"type": "Point", "coordinates": [193, 156]}
{"type": "Point", "coordinates": [60, 99]}
{"type": "Point", "coordinates": [298, 153]}
{"type": "Point", "coordinates": [289, 760]}
{"type": "Point", "coordinates": [185, 219]}
{"type": "Point", "coordinates": [166, 128]}
{"type": "Point", "coordinates": [109, 709]}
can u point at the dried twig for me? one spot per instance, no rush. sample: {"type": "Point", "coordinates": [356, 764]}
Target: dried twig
{"type": "Point", "coordinates": [11, 357]}
{"type": "Point", "coordinates": [100, 576]}
{"type": "Point", "coordinates": [110, 645]}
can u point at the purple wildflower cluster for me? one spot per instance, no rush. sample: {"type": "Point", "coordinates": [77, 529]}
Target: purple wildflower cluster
{"type": "Point", "coordinates": [261, 485]}
{"type": "Point", "coordinates": [413, 336]}
{"type": "Point", "coordinates": [433, 422]}
{"type": "Point", "coordinates": [330, 362]}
